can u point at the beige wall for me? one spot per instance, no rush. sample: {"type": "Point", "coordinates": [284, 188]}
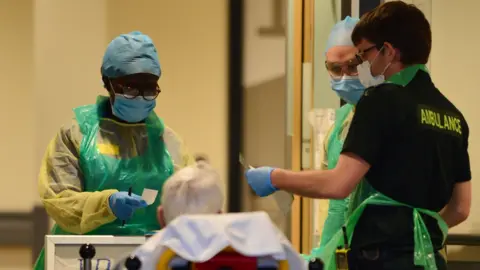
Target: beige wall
{"type": "Point", "coordinates": [18, 128]}
{"type": "Point", "coordinates": [51, 64]}
{"type": "Point", "coordinates": [454, 65]}
{"type": "Point", "coordinates": [51, 54]}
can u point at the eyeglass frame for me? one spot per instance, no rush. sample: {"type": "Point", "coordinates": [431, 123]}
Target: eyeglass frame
{"type": "Point", "coordinates": [343, 73]}
{"type": "Point", "coordinates": [360, 55]}
{"type": "Point", "coordinates": [122, 87]}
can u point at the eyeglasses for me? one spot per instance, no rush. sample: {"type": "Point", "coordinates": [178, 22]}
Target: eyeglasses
{"type": "Point", "coordinates": [131, 92]}
{"type": "Point", "coordinates": [360, 55]}
{"type": "Point", "coordinates": [338, 70]}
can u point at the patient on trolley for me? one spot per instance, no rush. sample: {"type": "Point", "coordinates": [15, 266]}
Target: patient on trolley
{"type": "Point", "coordinates": [191, 200]}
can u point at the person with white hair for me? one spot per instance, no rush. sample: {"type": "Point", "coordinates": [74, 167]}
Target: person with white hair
{"type": "Point", "coordinates": [193, 190]}
{"type": "Point", "coordinates": [191, 202]}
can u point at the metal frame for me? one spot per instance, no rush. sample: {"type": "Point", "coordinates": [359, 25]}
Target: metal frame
{"type": "Point", "coordinates": [466, 241]}
{"type": "Point", "coordinates": [308, 101]}
{"type": "Point", "coordinates": [463, 240]}
{"type": "Point", "coordinates": [295, 19]}
{"type": "Point", "coordinates": [346, 10]}
{"type": "Point", "coordinates": [235, 105]}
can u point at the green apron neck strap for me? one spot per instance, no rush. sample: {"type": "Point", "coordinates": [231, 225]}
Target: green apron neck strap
{"type": "Point", "coordinates": [102, 100]}
{"type": "Point", "coordinates": [155, 122]}
{"type": "Point", "coordinates": [406, 75]}
{"type": "Point", "coordinates": [334, 144]}
{"type": "Point", "coordinates": [88, 115]}
{"type": "Point", "coordinates": [343, 112]}
{"type": "Point", "coordinates": [102, 103]}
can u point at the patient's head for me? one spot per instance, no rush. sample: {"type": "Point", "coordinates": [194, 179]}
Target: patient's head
{"type": "Point", "coordinates": [194, 189]}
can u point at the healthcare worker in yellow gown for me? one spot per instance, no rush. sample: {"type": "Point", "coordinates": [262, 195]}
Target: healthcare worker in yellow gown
{"type": "Point", "coordinates": [114, 145]}
{"type": "Point", "coordinates": [341, 63]}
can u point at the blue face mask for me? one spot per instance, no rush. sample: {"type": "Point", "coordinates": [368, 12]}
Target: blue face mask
{"type": "Point", "coordinates": [132, 110]}
{"type": "Point", "coordinates": [348, 88]}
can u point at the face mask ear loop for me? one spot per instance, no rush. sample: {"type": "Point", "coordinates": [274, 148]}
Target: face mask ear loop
{"type": "Point", "coordinates": [385, 69]}
{"type": "Point", "coordinates": [375, 58]}
{"type": "Point", "coordinates": [373, 61]}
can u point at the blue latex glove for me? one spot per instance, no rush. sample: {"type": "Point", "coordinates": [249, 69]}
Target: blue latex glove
{"type": "Point", "coordinates": [260, 181]}
{"type": "Point", "coordinates": [123, 205]}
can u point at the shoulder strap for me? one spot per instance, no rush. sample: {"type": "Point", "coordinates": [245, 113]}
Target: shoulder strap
{"type": "Point", "coordinates": [342, 113]}
{"type": "Point", "coordinates": [89, 115]}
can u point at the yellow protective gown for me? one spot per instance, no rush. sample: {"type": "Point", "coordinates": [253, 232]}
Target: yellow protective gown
{"type": "Point", "coordinates": [343, 135]}
{"type": "Point", "coordinates": [61, 180]}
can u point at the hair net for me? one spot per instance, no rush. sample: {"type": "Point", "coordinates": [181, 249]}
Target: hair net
{"type": "Point", "coordinates": [130, 54]}
{"type": "Point", "coordinates": [341, 33]}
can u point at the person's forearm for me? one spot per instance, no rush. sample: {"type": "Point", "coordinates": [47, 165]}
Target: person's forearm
{"type": "Point", "coordinates": [452, 217]}
{"type": "Point", "coordinates": [313, 184]}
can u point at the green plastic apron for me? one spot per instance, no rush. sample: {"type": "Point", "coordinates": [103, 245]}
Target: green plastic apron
{"type": "Point", "coordinates": [334, 147]}
{"type": "Point", "coordinates": [424, 253]}
{"type": "Point", "coordinates": [101, 172]}
{"type": "Point", "coordinates": [364, 195]}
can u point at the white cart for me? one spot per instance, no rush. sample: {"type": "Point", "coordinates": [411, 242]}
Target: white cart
{"type": "Point", "coordinates": [62, 251]}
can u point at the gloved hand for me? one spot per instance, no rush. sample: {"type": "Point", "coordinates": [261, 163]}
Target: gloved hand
{"type": "Point", "coordinates": [123, 205]}
{"type": "Point", "coordinates": [260, 181]}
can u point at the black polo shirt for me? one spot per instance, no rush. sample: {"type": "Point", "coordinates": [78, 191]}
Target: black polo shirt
{"type": "Point", "coordinates": [415, 141]}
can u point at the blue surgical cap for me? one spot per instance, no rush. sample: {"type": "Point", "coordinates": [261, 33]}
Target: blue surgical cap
{"type": "Point", "coordinates": [130, 54]}
{"type": "Point", "coordinates": [341, 33]}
